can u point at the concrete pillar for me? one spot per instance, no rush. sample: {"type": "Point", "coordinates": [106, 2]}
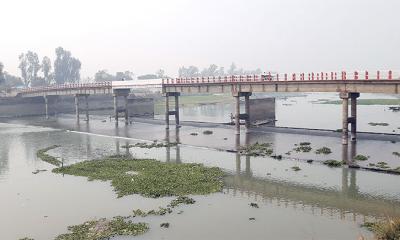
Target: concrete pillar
{"type": "Point", "coordinates": [87, 107]}
{"type": "Point", "coordinates": [353, 110]}
{"type": "Point", "coordinates": [237, 114]}
{"type": "Point", "coordinates": [77, 107]}
{"type": "Point", "coordinates": [247, 111]}
{"type": "Point", "coordinates": [46, 102]}
{"type": "Point", "coordinates": [126, 110]}
{"type": "Point", "coordinates": [177, 109]}
{"type": "Point", "coordinates": [345, 117]}
{"type": "Point", "coordinates": [167, 111]}
{"type": "Point", "coordinates": [116, 107]}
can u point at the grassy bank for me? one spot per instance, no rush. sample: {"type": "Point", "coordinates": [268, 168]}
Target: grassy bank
{"type": "Point", "coordinates": [149, 178]}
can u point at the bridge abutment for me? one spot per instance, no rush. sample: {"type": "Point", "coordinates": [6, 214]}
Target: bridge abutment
{"type": "Point", "coordinates": [168, 112]}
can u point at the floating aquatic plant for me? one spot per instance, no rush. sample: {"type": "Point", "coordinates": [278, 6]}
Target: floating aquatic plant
{"type": "Point", "coordinates": [155, 144]}
{"type": "Point", "coordinates": [333, 163]}
{"type": "Point", "coordinates": [104, 229]}
{"type": "Point", "coordinates": [207, 132]}
{"type": "Point", "coordinates": [360, 157]}
{"type": "Point", "coordinates": [42, 154]}
{"type": "Point", "coordinates": [323, 150]}
{"type": "Point", "coordinates": [378, 124]}
{"type": "Point", "coordinates": [296, 168]}
{"type": "Point", "coordinates": [257, 149]}
{"type": "Point", "coordinates": [153, 178]}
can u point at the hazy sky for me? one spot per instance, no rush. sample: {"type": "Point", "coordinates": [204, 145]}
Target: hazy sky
{"type": "Point", "coordinates": [143, 36]}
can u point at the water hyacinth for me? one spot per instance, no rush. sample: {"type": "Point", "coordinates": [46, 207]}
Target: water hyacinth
{"type": "Point", "coordinates": [42, 154]}
{"type": "Point", "coordinates": [152, 179]}
{"type": "Point", "coordinates": [104, 229]}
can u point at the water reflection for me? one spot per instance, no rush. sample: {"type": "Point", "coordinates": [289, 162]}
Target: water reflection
{"type": "Point", "coordinates": [168, 141]}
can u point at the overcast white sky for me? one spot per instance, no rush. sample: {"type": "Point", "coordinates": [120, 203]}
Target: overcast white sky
{"type": "Point", "coordinates": [143, 36]}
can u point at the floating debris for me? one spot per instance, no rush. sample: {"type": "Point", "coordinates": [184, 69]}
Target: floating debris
{"type": "Point", "coordinates": [310, 161]}
{"type": "Point", "coordinates": [397, 154]}
{"type": "Point", "coordinates": [42, 154]}
{"type": "Point", "coordinates": [296, 168]}
{"type": "Point", "coordinates": [155, 178]}
{"type": "Point", "coordinates": [360, 157]}
{"type": "Point", "coordinates": [155, 144]}
{"type": "Point", "coordinates": [323, 150]}
{"type": "Point", "coordinates": [194, 134]}
{"type": "Point", "coordinates": [38, 171]}
{"type": "Point", "coordinates": [378, 124]}
{"type": "Point", "coordinates": [164, 225]}
{"type": "Point", "coordinates": [207, 132]}
{"type": "Point", "coordinates": [104, 229]}
{"type": "Point", "coordinates": [254, 205]}
{"type": "Point", "coordinates": [333, 163]}
{"type": "Point", "coordinates": [252, 219]}
{"type": "Point", "coordinates": [225, 138]}
{"type": "Point", "coordinates": [279, 157]}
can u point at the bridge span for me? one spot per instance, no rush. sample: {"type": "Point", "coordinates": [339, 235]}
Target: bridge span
{"type": "Point", "coordinates": [348, 85]}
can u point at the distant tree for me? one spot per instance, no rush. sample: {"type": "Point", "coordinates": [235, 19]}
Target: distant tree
{"type": "Point", "coordinates": [66, 68]}
{"type": "Point", "coordinates": [210, 71]}
{"type": "Point", "coordinates": [232, 69]}
{"type": "Point", "coordinates": [12, 81]}
{"type": "Point", "coordinates": [23, 64]}
{"type": "Point", "coordinates": [46, 69]}
{"type": "Point", "coordinates": [160, 73]}
{"type": "Point", "coordinates": [221, 71]}
{"type": "Point", "coordinates": [103, 76]}
{"type": "Point", "coordinates": [2, 76]}
{"type": "Point", "coordinates": [147, 76]}
{"type": "Point", "coordinates": [191, 71]}
{"type": "Point", "coordinates": [29, 66]}
{"type": "Point", "coordinates": [127, 75]}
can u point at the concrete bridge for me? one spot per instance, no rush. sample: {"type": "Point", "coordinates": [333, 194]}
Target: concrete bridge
{"type": "Point", "coordinates": [348, 85]}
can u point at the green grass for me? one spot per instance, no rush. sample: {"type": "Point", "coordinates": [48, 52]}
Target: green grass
{"type": "Point", "coordinates": [367, 102]}
{"type": "Point", "coordinates": [360, 157]}
{"type": "Point", "coordinates": [42, 154]}
{"type": "Point", "coordinates": [151, 178]}
{"type": "Point", "coordinates": [104, 229]}
{"type": "Point", "coordinates": [388, 229]}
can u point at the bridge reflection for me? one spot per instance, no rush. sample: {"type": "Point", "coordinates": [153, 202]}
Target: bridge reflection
{"type": "Point", "coordinates": [347, 202]}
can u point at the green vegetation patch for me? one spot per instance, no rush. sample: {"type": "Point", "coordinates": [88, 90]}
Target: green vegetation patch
{"type": "Point", "coordinates": [296, 168]}
{"type": "Point", "coordinates": [378, 124]}
{"type": "Point", "coordinates": [382, 165]}
{"type": "Point", "coordinates": [303, 147]}
{"type": "Point", "coordinates": [257, 150]}
{"type": "Point", "coordinates": [151, 179]}
{"type": "Point", "coordinates": [333, 163]}
{"type": "Point", "coordinates": [104, 229]}
{"type": "Point", "coordinates": [360, 157]}
{"type": "Point", "coordinates": [388, 229]}
{"type": "Point", "coordinates": [42, 154]}
{"type": "Point", "coordinates": [154, 144]}
{"type": "Point", "coordinates": [163, 211]}
{"type": "Point", "coordinates": [323, 150]}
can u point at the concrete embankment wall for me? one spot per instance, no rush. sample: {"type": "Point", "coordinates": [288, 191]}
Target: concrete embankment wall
{"type": "Point", "coordinates": [35, 106]}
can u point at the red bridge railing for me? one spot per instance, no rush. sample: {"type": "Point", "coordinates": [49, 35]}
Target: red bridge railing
{"type": "Point", "coordinates": [313, 76]}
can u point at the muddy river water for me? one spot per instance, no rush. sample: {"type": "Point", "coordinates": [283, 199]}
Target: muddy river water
{"type": "Point", "coordinates": [317, 202]}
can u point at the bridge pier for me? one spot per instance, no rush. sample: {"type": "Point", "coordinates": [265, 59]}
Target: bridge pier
{"type": "Point", "coordinates": [238, 115]}
{"type": "Point", "coordinates": [46, 102]}
{"type": "Point", "coordinates": [168, 112]}
{"type": "Point", "coordinates": [77, 107]}
{"type": "Point", "coordinates": [345, 116]}
{"type": "Point", "coordinates": [121, 93]}
{"type": "Point", "coordinates": [87, 107]}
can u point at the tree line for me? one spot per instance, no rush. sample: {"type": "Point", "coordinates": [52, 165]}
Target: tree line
{"type": "Point", "coordinates": [213, 70]}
